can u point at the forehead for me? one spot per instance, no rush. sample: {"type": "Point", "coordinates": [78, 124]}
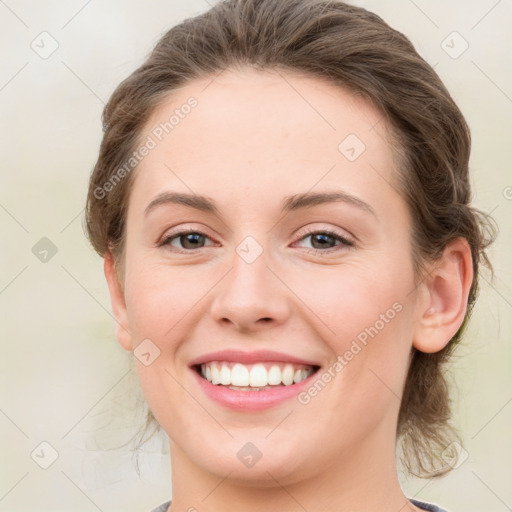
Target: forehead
{"type": "Point", "coordinates": [250, 129]}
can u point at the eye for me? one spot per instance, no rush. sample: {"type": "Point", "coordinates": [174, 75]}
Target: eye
{"type": "Point", "coordinates": [324, 241]}
{"type": "Point", "coordinates": [188, 240]}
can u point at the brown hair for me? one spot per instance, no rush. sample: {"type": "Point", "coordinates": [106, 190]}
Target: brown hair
{"type": "Point", "coordinates": [355, 49]}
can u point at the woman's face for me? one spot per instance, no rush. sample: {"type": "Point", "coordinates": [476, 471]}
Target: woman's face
{"type": "Point", "coordinates": [275, 281]}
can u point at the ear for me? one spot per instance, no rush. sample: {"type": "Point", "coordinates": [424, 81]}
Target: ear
{"type": "Point", "coordinates": [118, 303]}
{"type": "Point", "coordinates": [444, 299]}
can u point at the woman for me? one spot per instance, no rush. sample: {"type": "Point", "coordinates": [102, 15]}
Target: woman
{"type": "Point", "coordinates": [283, 206]}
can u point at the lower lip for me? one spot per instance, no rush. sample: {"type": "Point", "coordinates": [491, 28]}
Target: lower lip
{"type": "Point", "coordinates": [251, 400]}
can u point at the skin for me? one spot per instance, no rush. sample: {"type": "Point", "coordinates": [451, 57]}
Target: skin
{"type": "Point", "coordinates": [251, 141]}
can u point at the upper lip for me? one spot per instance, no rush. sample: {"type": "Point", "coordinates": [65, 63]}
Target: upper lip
{"type": "Point", "coordinates": [258, 356]}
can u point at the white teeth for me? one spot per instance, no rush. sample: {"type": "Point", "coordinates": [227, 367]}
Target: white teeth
{"type": "Point", "coordinates": [274, 375]}
{"type": "Point", "coordinates": [288, 375]}
{"type": "Point", "coordinates": [259, 375]}
{"type": "Point", "coordinates": [215, 374]}
{"type": "Point", "coordinates": [239, 375]}
{"type": "Point", "coordinates": [225, 376]}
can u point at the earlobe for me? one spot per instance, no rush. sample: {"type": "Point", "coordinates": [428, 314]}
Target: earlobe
{"type": "Point", "coordinates": [445, 296]}
{"type": "Point", "coordinates": [117, 299]}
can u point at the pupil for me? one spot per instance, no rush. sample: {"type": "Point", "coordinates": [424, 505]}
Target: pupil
{"type": "Point", "coordinates": [323, 237]}
{"type": "Point", "coordinates": [188, 237]}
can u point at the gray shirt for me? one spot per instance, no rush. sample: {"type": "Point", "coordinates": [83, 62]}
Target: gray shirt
{"type": "Point", "coordinates": [425, 506]}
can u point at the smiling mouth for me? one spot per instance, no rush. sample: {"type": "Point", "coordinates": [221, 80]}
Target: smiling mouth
{"type": "Point", "coordinates": [254, 377]}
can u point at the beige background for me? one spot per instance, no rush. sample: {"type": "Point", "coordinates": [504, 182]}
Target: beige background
{"type": "Point", "coordinates": [64, 379]}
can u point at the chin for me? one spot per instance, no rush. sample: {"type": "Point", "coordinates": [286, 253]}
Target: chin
{"type": "Point", "coordinates": [259, 464]}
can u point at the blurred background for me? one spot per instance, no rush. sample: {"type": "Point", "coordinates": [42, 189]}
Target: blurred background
{"type": "Point", "coordinates": [69, 402]}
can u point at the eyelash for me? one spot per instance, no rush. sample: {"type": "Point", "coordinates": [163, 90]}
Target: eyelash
{"type": "Point", "coordinates": [344, 241]}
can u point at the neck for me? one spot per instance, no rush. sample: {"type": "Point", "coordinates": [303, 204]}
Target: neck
{"type": "Point", "coordinates": [364, 480]}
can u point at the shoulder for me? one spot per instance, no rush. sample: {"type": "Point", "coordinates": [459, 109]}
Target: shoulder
{"type": "Point", "coordinates": [426, 506]}
{"type": "Point", "coordinates": [162, 508]}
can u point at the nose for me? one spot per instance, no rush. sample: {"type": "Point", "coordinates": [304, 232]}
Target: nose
{"type": "Point", "coordinates": [251, 297]}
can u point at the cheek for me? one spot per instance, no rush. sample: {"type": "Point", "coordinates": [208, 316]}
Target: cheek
{"type": "Point", "coordinates": [367, 319]}
{"type": "Point", "coordinates": [159, 297]}
{"type": "Point", "coordinates": [349, 298]}
{"type": "Point", "coordinates": [160, 301]}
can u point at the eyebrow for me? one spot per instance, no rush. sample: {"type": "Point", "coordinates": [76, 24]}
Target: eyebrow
{"type": "Point", "coordinates": [289, 204]}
